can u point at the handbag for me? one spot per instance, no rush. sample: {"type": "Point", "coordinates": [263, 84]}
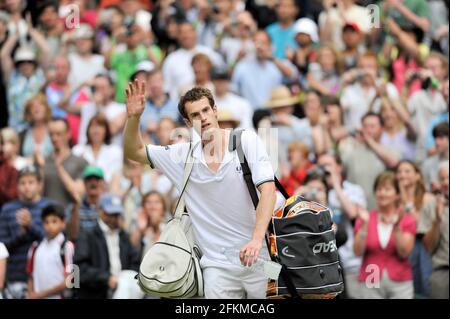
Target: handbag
{"type": "Point", "coordinates": [171, 267]}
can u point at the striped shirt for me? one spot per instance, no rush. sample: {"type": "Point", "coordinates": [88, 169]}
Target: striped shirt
{"type": "Point", "coordinates": [17, 243]}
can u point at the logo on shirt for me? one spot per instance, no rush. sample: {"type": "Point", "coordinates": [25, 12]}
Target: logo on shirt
{"type": "Point", "coordinates": [166, 147]}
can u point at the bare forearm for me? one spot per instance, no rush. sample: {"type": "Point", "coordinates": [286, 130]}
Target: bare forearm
{"type": "Point", "coordinates": [2, 273]}
{"type": "Point", "coordinates": [349, 207]}
{"type": "Point", "coordinates": [404, 243]}
{"type": "Point", "coordinates": [286, 71]}
{"type": "Point", "coordinates": [421, 22]}
{"type": "Point", "coordinates": [359, 245]}
{"type": "Point", "coordinates": [431, 238]}
{"type": "Point", "coordinates": [53, 291]}
{"type": "Point", "coordinates": [72, 186]}
{"type": "Point", "coordinates": [264, 210]}
{"type": "Point", "coordinates": [74, 226]}
{"type": "Point", "coordinates": [389, 160]}
{"type": "Point", "coordinates": [134, 147]}
{"type": "Point", "coordinates": [43, 45]}
{"type": "Point", "coordinates": [7, 63]}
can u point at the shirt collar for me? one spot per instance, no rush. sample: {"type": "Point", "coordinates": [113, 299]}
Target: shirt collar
{"type": "Point", "coordinates": [58, 239]}
{"type": "Point", "coordinates": [199, 155]}
{"type": "Point", "coordinates": [105, 229]}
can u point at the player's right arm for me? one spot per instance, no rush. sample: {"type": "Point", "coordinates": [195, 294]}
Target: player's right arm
{"type": "Point", "coordinates": [134, 147]}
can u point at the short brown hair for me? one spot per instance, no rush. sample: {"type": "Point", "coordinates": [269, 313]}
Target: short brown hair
{"type": "Point", "coordinates": [202, 58]}
{"type": "Point", "coordinates": [386, 177]}
{"type": "Point", "coordinates": [299, 146]}
{"type": "Point", "coordinates": [194, 94]}
{"type": "Point", "coordinates": [101, 120]}
{"type": "Point", "coordinates": [40, 98]}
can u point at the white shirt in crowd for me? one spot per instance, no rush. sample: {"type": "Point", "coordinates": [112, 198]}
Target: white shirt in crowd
{"type": "Point", "coordinates": [3, 251]}
{"type": "Point", "coordinates": [84, 69]}
{"type": "Point", "coordinates": [48, 269]}
{"type": "Point", "coordinates": [112, 243]}
{"type": "Point", "coordinates": [219, 204]}
{"type": "Point", "coordinates": [423, 105]}
{"type": "Point", "coordinates": [112, 110]}
{"type": "Point", "coordinates": [109, 159]}
{"type": "Point", "coordinates": [240, 107]}
{"type": "Point", "coordinates": [177, 69]}
{"type": "Point", "coordinates": [356, 102]}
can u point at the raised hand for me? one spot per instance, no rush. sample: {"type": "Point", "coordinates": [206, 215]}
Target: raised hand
{"type": "Point", "coordinates": [135, 101]}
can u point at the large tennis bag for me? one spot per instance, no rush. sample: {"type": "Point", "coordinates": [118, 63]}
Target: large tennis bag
{"type": "Point", "coordinates": [301, 239]}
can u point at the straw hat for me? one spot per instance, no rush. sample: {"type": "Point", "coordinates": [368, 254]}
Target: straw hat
{"type": "Point", "coordinates": [281, 96]}
{"type": "Point", "coordinates": [225, 115]}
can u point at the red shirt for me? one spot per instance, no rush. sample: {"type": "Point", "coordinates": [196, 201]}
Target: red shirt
{"type": "Point", "coordinates": [397, 268]}
{"type": "Point", "coordinates": [295, 179]}
{"type": "Point", "coordinates": [8, 182]}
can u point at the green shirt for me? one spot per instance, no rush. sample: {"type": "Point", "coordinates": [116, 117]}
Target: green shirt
{"type": "Point", "coordinates": [419, 7]}
{"type": "Point", "coordinates": [124, 64]}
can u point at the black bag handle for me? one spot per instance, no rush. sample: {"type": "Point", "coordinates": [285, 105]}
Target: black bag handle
{"type": "Point", "coordinates": [235, 144]}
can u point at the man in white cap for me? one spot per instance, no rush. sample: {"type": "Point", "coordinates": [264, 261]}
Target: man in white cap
{"type": "Point", "coordinates": [306, 35]}
{"type": "Point", "coordinates": [333, 18]}
{"type": "Point", "coordinates": [84, 64]}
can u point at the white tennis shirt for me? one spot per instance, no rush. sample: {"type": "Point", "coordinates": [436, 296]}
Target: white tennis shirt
{"type": "Point", "coordinates": [221, 209]}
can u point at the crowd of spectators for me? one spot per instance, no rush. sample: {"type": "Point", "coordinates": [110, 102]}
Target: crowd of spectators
{"type": "Point", "coordinates": [357, 90]}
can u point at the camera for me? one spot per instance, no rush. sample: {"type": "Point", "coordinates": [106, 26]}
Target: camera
{"type": "Point", "coordinates": [360, 75]}
{"type": "Point", "coordinates": [312, 194]}
{"type": "Point", "coordinates": [216, 9]}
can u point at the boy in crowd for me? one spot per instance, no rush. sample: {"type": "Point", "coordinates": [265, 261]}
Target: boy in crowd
{"type": "Point", "coordinates": [20, 226]}
{"type": "Point", "coordinates": [49, 260]}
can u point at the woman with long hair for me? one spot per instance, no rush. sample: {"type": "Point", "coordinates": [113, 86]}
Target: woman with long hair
{"type": "Point", "coordinates": [99, 151]}
{"type": "Point", "coordinates": [414, 200]}
{"type": "Point", "coordinates": [36, 138]}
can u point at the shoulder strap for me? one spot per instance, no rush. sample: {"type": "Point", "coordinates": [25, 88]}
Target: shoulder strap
{"type": "Point", "coordinates": [62, 252]}
{"type": "Point", "coordinates": [180, 207]}
{"type": "Point", "coordinates": [236, 144]}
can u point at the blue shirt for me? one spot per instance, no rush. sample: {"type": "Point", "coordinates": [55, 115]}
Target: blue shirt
{"type": "Point", "coordinates": [155, 113]}
{"type": "Point", "coordinates": [443, 117]}
{"type": "Point", "coordinates": [17, 243]}
{"type": "Point", "coordinates": [87, 213]}
{"type": "Point", "coordinates": [281, 39]}
{"type": "Point", "coordinates": [255, 80]}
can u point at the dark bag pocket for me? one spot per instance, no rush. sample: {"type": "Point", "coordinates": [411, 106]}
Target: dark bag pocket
{"type": "Point", "coordinates": [318, 279]}
{"type": "Point", "coordinates": [304, 249]}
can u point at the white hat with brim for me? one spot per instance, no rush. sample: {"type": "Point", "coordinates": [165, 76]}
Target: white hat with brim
{"type": "Point", "coordinates": [24, 54]}
{"type": "Point", "coordinates": [307, 26]}
{"type": "Point", "coordinates": [281, 96]}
